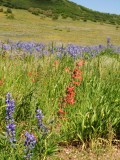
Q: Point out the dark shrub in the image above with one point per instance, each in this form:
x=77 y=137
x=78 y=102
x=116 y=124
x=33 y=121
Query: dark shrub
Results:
x=9 y=10
x=35 y=11
x=112 y=22
x=117 y=26
x=31 y=9
x=48 y=13
x=64 y=16
x=1 y=9
x=84 y=20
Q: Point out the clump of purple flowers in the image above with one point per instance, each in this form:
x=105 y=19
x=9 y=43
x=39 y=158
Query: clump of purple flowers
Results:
x=39 y=116
x=10 y=108
x=11 y=132
x=29 y=144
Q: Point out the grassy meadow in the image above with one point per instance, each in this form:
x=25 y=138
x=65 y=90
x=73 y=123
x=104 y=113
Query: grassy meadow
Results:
x=58 y=102
x=28 y=27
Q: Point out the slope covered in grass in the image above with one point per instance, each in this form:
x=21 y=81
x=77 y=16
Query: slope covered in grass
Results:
x=64 y=8
x=59 y=31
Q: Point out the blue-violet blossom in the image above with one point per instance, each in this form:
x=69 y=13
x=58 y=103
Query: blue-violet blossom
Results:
x=39 y=116
x=29 y=144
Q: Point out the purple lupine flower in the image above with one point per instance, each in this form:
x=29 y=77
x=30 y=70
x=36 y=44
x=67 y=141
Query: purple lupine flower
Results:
x=9 y=108
x=11 y=132
x=39 y=116
x=29 y=144
x=9 y=118
x=6 y=47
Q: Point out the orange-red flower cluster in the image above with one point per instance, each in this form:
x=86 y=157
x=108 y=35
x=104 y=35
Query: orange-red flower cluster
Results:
x=70 y=95
x=61 y=111
x=76 y=79
x=77 y=76
x=56 y=63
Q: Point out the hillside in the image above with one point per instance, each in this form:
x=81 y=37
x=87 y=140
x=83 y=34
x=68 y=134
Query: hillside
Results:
x=64 y=8
x=29 y=27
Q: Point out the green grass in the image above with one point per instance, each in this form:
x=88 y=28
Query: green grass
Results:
x=29 y=27
x=42 y=83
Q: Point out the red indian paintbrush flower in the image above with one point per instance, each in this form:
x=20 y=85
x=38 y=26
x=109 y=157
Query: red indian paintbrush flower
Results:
x=76 y=83
x=61 y=112
x=70 y=89
x=76 y=79
x=80 y=63
x=56 y=62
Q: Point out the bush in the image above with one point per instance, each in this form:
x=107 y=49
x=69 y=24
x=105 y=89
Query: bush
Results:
x=94 y=20
x=31 y=9
x=74 y=18
x=48 y=13
x=42 y=16
x=1 y=9
x=64 y=16
x=112 y=22
x=35 y=11
x=9 y=10
x=84 y=20
x=117 y=26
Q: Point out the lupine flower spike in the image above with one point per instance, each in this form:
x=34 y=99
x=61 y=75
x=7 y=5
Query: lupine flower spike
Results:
x=39 y=116
x=11 y=132
x=29 y=144
x=10 y=128
x=9 y=108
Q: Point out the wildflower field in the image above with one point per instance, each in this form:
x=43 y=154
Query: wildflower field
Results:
x=54 y=96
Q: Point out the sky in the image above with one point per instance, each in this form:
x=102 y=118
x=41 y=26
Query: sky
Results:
x=109 y=6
